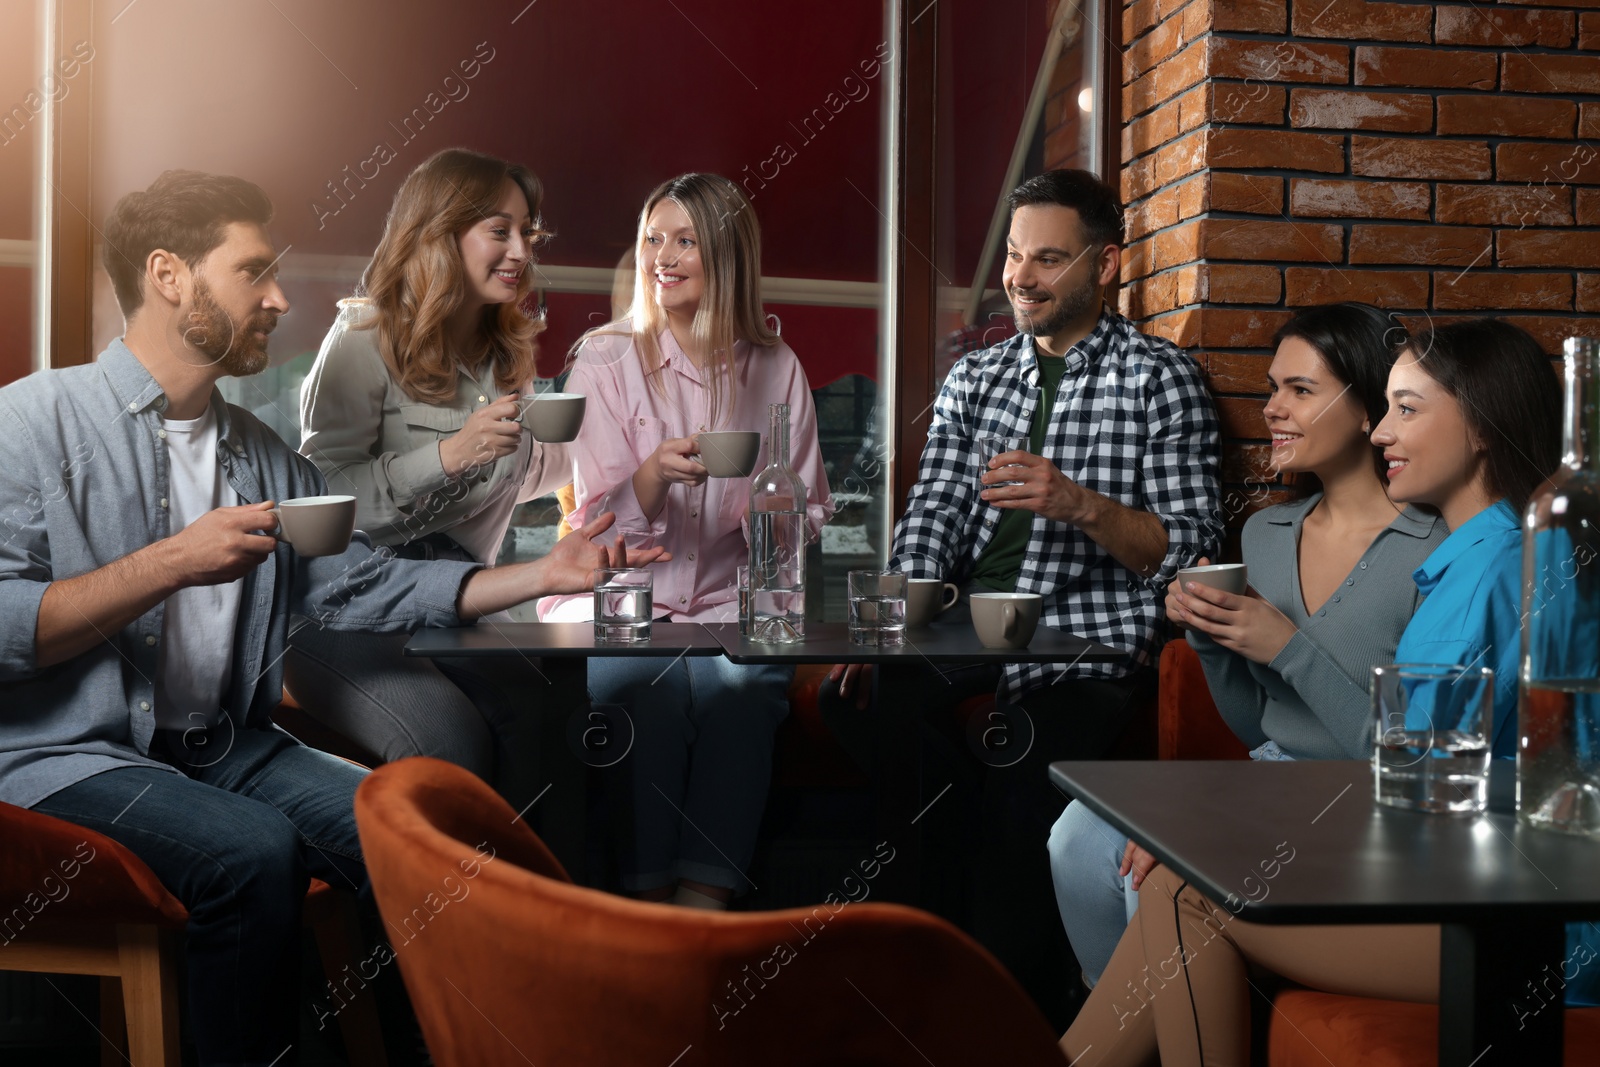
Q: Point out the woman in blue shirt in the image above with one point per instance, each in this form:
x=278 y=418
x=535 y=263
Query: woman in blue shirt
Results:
x=1471 y=432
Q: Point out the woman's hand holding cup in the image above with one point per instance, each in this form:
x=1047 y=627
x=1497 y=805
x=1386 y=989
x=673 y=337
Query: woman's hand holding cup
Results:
x=489 y=433
x=675 y=461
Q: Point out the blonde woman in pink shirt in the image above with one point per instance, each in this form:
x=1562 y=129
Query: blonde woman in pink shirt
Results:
x=693 y=354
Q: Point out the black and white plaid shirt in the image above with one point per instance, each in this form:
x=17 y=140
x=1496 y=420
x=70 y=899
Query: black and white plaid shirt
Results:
x=1133 y=422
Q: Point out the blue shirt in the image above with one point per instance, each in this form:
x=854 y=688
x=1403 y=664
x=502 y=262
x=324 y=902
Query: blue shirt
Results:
x=84 y=483
x=1473 y=612
x=1473 y=616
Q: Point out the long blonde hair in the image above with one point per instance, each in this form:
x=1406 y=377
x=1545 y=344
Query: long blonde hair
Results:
x=730 y=311
x=416 y=280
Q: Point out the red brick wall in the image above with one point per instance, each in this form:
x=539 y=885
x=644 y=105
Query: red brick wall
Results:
x=1442 y=160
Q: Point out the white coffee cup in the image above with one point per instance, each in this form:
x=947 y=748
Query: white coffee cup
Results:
x=1228 y=577
x=316 y=525
x=1005 y=620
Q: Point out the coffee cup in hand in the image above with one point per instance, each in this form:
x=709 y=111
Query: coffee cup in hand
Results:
x=316 y=525
x=729 y=453
x=1005 y=620
x=926 y=598
x=1227 y=577
x=552 y=418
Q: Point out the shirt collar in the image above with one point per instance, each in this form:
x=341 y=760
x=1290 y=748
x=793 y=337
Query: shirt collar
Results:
x=1413 y=521
x=673 y=355
x=137 y=391
x=1081 y=355
x=1494 y=520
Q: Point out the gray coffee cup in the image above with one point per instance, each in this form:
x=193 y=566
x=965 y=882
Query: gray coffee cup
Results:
x=552 y=417
x=1005 y=620
x=316 y=525
x=927 y=597
x=729 y=453
x=1228 y=577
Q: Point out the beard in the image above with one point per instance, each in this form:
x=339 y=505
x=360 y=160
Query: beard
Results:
x=1068 y=306
x=232 y=347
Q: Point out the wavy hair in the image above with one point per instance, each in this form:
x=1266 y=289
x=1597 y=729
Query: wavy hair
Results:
x=729 y=238
x=416 y=281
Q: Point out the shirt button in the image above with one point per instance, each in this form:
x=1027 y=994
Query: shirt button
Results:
x=1335 y=600
x=683 y=600
x=691 y=555
x=988 y=522
x=133 y=407
x=1363 y=564
x=161 y=434
x=150 y=639
x=641 y=422
x=694 y=514
x=483 y=400
x=163 y=501
x=144 y=705
x=1349 y=581
x=1323 y=613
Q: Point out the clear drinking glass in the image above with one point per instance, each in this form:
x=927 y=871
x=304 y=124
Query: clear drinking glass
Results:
x=994 y=445
x=624 y=601
x=1431 y=745
x=1558 y=714
x=877 y=607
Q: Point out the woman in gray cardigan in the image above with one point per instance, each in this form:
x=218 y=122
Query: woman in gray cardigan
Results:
x=411 y=407
x=1332 y=591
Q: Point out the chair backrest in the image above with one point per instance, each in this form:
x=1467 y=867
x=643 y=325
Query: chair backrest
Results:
x=1190 y=726
x=507 y=962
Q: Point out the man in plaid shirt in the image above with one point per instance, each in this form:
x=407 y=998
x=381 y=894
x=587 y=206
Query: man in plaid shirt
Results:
x=1078 y=460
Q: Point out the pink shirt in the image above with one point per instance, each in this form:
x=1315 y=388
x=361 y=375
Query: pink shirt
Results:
x=702 y=526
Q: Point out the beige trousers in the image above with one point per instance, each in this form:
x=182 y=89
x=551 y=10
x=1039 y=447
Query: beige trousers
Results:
x=1179 y=982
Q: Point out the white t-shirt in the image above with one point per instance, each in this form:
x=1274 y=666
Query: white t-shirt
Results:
x=196 y=662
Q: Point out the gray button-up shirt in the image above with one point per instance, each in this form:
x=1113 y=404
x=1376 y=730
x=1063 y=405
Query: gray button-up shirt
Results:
x=85 y=482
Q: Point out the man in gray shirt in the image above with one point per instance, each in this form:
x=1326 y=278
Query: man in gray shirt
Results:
x=144 y=606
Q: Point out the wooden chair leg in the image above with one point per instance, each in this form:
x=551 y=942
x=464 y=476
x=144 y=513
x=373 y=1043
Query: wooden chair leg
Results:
x=113 y=1024
x=338 y=934
x=149 y=995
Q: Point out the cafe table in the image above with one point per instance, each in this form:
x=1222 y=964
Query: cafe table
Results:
x=902 y=794
x=1305 y=842
x=572 y=736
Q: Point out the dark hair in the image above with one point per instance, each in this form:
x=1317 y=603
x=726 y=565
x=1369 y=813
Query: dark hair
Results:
x=1509 y=396
x=184 y=212
x=1358 y=343
x=1093 y=200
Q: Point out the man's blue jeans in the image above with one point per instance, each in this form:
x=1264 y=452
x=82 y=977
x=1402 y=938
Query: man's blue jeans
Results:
x=236 y=838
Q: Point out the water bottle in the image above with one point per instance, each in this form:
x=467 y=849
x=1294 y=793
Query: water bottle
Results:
x=778 y=543
x=1558 y=755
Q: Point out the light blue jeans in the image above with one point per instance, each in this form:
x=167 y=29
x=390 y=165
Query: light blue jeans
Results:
x=694 y=784
x=1096 y=902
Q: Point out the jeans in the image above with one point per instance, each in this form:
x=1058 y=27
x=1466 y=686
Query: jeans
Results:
x=236 y=838
x=693 y=786
x=1096 y=902
x=462 y=710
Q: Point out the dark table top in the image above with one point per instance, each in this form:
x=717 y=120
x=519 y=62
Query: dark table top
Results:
x=1305 y=841
x=558 y=639
x=829 y=642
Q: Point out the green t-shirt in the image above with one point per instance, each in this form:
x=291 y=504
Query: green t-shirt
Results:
x=1001 y=561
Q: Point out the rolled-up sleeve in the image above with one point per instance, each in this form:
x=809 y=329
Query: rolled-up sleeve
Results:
x=362 y=589
x=341 y=425
x=1180 y=482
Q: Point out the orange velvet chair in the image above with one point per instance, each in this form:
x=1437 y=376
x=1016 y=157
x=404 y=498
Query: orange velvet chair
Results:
x=509 y=963
x=1189 y=725
x=83 y=904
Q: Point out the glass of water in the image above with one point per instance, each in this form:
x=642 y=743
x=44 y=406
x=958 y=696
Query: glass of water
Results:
x=624 y=600
x=1431 y=743
x=877 y=607
x=996 y=445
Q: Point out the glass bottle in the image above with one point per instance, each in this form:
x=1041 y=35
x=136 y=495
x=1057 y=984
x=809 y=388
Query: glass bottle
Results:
x=778 y=542
x=1558 y=752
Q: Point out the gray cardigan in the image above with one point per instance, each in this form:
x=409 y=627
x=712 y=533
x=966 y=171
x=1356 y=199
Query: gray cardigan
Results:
x=1314 y=699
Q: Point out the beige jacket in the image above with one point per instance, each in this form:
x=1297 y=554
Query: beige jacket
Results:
x=372 y=440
